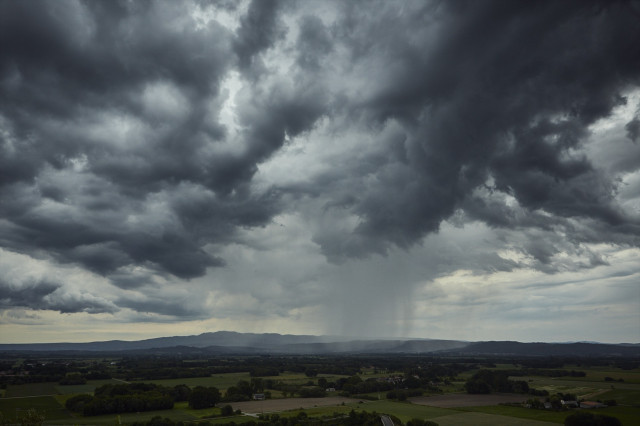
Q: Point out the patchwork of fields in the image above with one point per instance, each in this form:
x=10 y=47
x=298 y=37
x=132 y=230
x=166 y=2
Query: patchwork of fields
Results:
x=447 y=409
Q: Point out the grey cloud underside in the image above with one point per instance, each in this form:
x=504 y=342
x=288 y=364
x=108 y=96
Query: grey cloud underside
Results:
x=485 y=101
x=44 y=294
x=112 y=154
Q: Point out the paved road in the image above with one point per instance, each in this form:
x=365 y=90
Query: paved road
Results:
x=386 y=421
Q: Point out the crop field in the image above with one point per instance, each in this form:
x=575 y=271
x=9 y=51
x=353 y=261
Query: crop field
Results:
x=629 y=416
x=18 y=406
x=31 y=389
x=483 y=419
x=584 y=388
x=452 y=407
x=89 y=387
x=124 y=418
x=622 y=396
x=404 y=410
x=277 y=405
x=467 y=400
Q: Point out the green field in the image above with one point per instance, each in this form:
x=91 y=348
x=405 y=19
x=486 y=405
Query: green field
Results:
x=520 y=413
x=599 y=373
x=89 y=387
x=580 y=387
x=49 y=399
x=46 y=405
x=124 y=418
x=32 y=389
x=405 y=411
x=482 y=419
x=622 y=396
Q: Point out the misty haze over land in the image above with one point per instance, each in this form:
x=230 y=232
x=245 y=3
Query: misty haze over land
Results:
x=458 y=170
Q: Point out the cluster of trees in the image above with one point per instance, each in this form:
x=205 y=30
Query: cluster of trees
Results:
x=243 y=390
x=301 y=419
x=124 y=398
x=487 y=381
x=204 y=397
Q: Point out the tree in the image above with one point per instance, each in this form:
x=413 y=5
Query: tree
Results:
x=77 y=403
x=181 y=393
x=227 y=410
x=202 y=397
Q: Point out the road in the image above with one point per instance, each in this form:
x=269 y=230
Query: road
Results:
x=386 y=421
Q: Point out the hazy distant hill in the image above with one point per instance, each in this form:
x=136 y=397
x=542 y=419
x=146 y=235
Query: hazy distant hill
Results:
x=549 y=349
x=226 y=342
x=218 y=338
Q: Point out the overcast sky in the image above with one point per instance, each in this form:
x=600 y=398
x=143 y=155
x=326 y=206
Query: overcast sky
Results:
x=439 y=169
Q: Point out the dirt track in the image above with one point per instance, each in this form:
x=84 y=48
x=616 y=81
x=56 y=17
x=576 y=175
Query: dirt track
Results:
x=276 y=405
x=467 y=400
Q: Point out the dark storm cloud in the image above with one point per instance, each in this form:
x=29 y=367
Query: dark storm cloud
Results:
x=500 y=90
x=259 y=29
x=123 y=91
x=49 y=295
x=314 y=42
x=162 y=306
x=114 y=155
x=633 y=129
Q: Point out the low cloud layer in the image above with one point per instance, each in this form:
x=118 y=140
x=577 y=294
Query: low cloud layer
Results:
x=149 y=147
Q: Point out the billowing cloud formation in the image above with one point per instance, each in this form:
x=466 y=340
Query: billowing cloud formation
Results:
x=145 y=141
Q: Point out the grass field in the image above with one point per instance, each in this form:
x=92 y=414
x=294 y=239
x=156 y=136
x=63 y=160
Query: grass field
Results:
x=49 y=399
x=124 y=418
x=404 y=410
x=47 y=405
x=580 y=387
x=629 y=416
x=89 y=387
x=622 y=396
x=520 y=413
x=32 y=389
x=483 y=419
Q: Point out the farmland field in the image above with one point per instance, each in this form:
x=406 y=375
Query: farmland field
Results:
x=405 y=411
x=466 y=400
x=18 y=406
x=627 y=415
x=449 y=405
x=482 y=419
x=124 y=418
x=31 y=389
x=277 y=405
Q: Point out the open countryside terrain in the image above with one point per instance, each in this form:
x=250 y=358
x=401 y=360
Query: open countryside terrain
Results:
x=467 y=400
x=448 y=405
x=286 y=404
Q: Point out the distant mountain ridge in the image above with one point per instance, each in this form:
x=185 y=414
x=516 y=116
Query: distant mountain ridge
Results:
x=229 y=342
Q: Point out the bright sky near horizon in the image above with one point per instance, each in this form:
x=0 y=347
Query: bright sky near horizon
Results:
x=458 y=170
